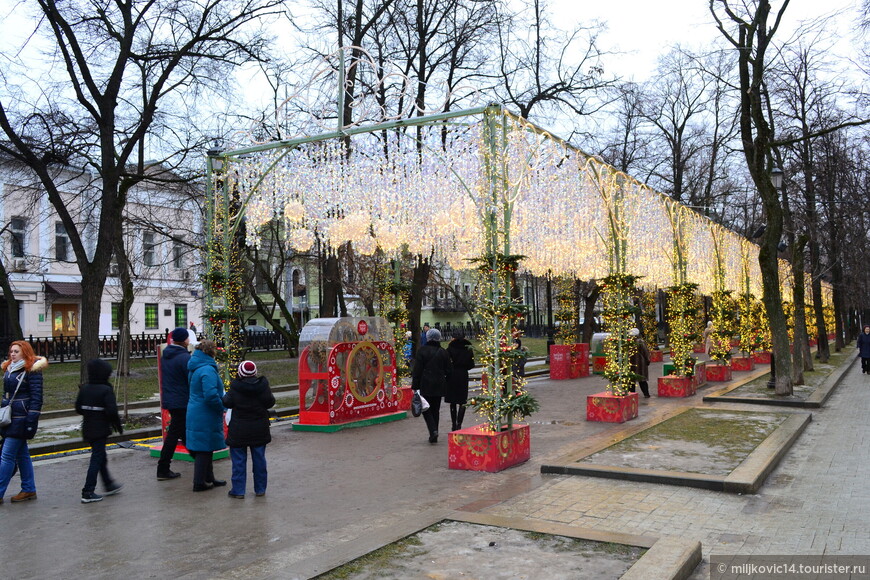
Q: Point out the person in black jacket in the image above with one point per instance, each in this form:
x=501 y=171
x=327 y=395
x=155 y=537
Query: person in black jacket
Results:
x=432 y=366
x=174 y=394
x=96 y=404
x=462 y=358
x=249 y=399
x=864 y=349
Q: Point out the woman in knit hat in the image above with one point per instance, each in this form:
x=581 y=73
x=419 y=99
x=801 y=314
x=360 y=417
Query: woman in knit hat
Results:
x=249 y=399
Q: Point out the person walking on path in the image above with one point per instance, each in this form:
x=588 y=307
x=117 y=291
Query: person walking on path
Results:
x=205 y=410
x=640 y=363
x=431 y=368
x=864 y=349
x=99 y=410
x=22 y=389
x=462 y=359
x=707 y=336
x=174 y=394
x=249 y=399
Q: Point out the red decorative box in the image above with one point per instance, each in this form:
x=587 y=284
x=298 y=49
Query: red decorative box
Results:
x=479 y=449
x=761 y=357
x=699 y=348
x=742 y=363
x=656 y=356
x=581 y=360
x=560 y=361
x=599 y=363
x=674 y=386
x=718 y=373
x=608 y=408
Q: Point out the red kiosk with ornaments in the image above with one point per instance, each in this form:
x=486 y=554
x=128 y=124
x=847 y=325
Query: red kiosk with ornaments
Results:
x=347 y=374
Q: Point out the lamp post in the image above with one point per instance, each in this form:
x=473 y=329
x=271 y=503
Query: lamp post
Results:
x=776 y=175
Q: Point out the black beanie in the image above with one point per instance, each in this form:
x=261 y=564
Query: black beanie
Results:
x=99 y=372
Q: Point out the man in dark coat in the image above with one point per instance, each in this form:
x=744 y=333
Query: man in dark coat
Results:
x=864 y=349
x=432 y=366
x=462 y=358
x=174 y=393
x=96 y=404
x=640 y=362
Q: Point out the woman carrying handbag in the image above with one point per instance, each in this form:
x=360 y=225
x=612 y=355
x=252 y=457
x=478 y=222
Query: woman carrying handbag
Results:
x=22 y=391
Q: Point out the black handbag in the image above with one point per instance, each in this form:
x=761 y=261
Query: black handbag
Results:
x=416 y=404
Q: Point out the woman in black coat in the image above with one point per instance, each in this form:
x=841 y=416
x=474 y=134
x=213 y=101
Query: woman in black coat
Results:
x=462 y=358
x=250 y=399
x=432 y=366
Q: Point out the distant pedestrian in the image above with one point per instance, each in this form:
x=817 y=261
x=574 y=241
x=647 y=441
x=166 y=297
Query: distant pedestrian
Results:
x=249 y=400
x=423 y=334
x=174 y=394
x=864 y=349
x=408 y=349
x=640 y=363
x=462 y=359
x=707 y=336
x=205 y=411
x=518 y=368
x=99 y=410
x=22 y=388
x=432 y=366
x=192 y=327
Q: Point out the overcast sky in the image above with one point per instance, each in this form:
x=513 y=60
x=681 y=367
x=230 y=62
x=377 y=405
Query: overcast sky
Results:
x=645 y=28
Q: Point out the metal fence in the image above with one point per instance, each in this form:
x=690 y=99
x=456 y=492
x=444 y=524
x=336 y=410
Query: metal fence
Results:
x=68 y=348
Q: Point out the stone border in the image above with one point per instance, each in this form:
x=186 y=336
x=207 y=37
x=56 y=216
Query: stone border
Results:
x=816 y=399
x=667 y=558
x=748 y=477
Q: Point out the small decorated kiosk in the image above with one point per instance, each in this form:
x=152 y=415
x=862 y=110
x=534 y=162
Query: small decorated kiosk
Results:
x=347 y=374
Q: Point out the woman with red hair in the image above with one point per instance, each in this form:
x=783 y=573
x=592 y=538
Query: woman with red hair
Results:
x=22 y=388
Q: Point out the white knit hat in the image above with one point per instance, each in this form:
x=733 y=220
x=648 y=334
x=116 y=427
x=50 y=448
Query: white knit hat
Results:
x=247 y=368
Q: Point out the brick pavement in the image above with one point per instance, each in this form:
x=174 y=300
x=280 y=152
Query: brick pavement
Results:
x=815 y=502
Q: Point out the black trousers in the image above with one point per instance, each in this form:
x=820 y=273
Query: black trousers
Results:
x=203 y=467
x=865 y=365
x=431 y=415
x=177 y=431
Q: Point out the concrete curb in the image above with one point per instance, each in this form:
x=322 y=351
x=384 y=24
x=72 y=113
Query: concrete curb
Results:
x=814 y=401
x=748 y=477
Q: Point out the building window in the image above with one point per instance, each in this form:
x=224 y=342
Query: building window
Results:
x=149 y=250
x=181 y=315
x=61 y=243
x=116 y=313
x=151 y=316
x=17 y=237
x=177 y=257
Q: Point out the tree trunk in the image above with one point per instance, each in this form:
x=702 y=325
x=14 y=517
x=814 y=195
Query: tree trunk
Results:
x=419 y=279
x=15 y=332
x=799 y=358
x=331 y=287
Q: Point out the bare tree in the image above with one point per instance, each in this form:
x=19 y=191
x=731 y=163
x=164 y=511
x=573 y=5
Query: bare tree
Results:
x=124 y=62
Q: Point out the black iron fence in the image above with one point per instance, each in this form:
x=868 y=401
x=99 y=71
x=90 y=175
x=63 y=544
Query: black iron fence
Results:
x=68 y=348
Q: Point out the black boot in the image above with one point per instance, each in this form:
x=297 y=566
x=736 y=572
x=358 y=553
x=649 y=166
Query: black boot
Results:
x=432 y=425
x=459 y=417
x=453 y=416
x=644 y=388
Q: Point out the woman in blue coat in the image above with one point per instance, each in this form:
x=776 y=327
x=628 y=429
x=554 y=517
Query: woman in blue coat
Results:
x=205 y=411
x=22 y=373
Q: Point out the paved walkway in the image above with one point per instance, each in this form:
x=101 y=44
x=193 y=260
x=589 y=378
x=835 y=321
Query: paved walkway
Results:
x=330 y=493
x=815 y=502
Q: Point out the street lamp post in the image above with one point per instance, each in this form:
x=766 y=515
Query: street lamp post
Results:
x=776 y=175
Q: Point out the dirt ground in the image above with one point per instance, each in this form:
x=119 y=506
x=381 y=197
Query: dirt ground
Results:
x=453 y=550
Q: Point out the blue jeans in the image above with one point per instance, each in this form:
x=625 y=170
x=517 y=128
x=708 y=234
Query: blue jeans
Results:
x=16 y=451
x=99 y=465
x=239 y=456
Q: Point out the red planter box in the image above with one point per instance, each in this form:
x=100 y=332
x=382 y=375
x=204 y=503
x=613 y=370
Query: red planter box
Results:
x=599 y=363
x=656 y=356
x=699 y=348
x=742 y=363
x=761 y=357
x=479 y=449
x=608 y=408
x=718 y=373
x=674 y=386
x=581 y=359
x=569 y=361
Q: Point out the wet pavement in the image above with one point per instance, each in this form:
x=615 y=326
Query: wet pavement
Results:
x=330 y=491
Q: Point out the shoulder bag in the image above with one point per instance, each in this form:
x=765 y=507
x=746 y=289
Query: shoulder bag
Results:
x=6 y=412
